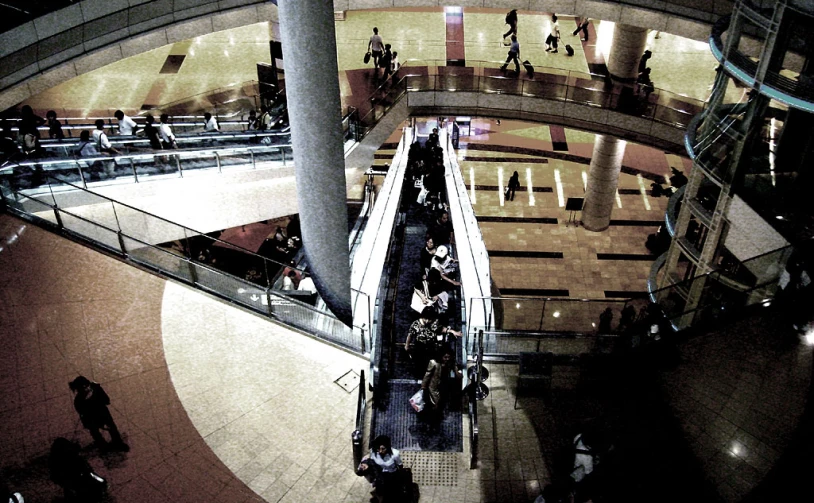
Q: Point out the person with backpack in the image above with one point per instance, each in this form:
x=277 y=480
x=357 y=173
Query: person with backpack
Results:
x=101 y=140
x=511 y=20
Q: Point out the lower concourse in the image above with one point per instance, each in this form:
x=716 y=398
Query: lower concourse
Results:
x=220 y=405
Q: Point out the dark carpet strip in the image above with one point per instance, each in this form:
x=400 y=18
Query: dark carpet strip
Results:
x=524 y=254
x=383 y=156
x=495 y=187
x=507 y=160
x=556 y=155
x=389 y=146
x=533 y=292
x=518 y=220
x=625 y=256
x=629 y=192
x=172 y=64
x=558 y=138
x=637 y=223
x=623 y=294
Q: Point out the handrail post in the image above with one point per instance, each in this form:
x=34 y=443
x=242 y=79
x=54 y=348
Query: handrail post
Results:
x=217 y=160
x=357 y=437
x=178 y=165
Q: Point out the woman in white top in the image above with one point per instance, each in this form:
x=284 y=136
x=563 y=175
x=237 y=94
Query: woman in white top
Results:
x=388 y=463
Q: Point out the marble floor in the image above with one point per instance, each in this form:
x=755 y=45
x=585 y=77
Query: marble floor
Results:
x=539 y=254
x=228 y=58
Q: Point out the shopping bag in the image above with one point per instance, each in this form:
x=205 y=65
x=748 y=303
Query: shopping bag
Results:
x=417 y=401
x=367 y=57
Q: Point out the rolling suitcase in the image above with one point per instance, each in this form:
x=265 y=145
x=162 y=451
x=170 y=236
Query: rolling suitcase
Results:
x=569 y=50
x=529 y=68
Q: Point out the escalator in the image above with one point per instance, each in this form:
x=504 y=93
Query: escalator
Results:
x=400 y=379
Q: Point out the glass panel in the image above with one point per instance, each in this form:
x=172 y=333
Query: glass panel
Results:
x=104 y=236
x=243 y=292
x=501 y=85
x=38 y=207
x=194 y=163
x=170 y=261
x=322 y=324
x=157 y=165
x=230 y=159
x=145 y=227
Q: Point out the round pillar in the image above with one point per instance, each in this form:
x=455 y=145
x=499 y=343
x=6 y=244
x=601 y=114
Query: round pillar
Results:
x=603 y=179
x=626 y=50
x=314 y=111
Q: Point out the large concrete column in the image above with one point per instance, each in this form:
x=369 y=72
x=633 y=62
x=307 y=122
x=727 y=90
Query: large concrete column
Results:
x=603 y=178
x=314 y=111
x=626 y=51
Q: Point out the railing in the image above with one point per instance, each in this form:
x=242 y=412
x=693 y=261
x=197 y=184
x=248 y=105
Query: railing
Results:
x=473 y=258
x=132 y=234
x=100 y=170
x=735 y=285
x=358 y=435
x=65 y=149
x=476 y=394
x=559 y=85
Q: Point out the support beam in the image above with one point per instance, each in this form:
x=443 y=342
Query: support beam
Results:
x=314 y=111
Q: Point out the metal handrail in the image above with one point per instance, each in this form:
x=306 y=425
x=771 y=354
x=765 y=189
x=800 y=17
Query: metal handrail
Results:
x=358 y=435
x=158 y=218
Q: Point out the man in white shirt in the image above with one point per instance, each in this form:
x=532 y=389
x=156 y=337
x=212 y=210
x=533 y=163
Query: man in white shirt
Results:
x=167 y=137
x=101 y=141
x=376 y=48
x=127 y=126
x=210 y=123
x=307 y=285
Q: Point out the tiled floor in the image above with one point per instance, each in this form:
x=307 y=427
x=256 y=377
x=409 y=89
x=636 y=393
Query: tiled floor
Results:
x=546 y=183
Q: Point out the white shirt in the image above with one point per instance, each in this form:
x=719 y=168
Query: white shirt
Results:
x=211 y=125
x=100 y=139
x=127 y=126
x=388 y=463
x=583 y=463
x=307 y=285
x=394 y=64
x=288 y=283
x=166 y=133
x=376 y=43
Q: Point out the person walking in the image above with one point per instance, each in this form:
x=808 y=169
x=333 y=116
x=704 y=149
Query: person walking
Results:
x=375 y=47
x=165 y=130
x=91 y=402
x=54 y=126
x=514 y=184
x=385 y=61
x=554 y=37
x=583 y=27
x=514 y=54
x=511 y=20
x=210 y=123
x=127 y=126
x=151 y=132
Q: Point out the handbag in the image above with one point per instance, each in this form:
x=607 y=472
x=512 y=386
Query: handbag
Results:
x=417 y=400
x=417 y=302
x=367 y=57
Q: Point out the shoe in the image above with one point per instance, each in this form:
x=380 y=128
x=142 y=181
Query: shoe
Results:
x=503 y=68
x=547 y=49
x=555 y=51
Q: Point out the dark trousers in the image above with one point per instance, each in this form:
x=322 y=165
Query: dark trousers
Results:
x=512 y=57
x=107 y=424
